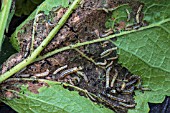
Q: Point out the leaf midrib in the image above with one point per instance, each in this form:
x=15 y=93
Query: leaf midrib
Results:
x=141 y=29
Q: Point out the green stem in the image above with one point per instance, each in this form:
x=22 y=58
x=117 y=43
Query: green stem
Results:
x=85 y=56
x=81 y=44
x=33 y=32
x=52 y=83
x=89 y=59
x=4 y=12
x=37 y=51
x=98 y=40
x=66 y=84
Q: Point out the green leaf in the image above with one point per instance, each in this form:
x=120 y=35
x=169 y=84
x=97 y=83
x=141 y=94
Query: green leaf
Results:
x=146 y=52
x=25 y=7
x=49 y=4
x=11 y=14
x=4 y=12
x=54 y=99
x=119 y=14
x=45 y=7
x=141 y=99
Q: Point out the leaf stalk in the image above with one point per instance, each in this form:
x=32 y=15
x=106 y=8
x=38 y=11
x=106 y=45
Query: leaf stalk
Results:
x=45 y=42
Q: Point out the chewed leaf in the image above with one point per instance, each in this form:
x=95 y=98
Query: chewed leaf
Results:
x=146 y=52
x=54 y=99
x=45 y=7
x=120 y=14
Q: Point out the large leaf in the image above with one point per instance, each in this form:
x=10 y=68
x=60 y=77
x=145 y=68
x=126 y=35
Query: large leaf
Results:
x=54 y=99
x=146 y=52
x=45 y=7
x=4 y=12
x=119 y=15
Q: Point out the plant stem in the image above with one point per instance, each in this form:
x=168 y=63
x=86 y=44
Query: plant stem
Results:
x=85 y=56
x=33 y=31
x=66 y=84
x=4 y=12
x=50 y=82
x=98 y=40
x=37 y=51
x=81 y=44
x=89 y=59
